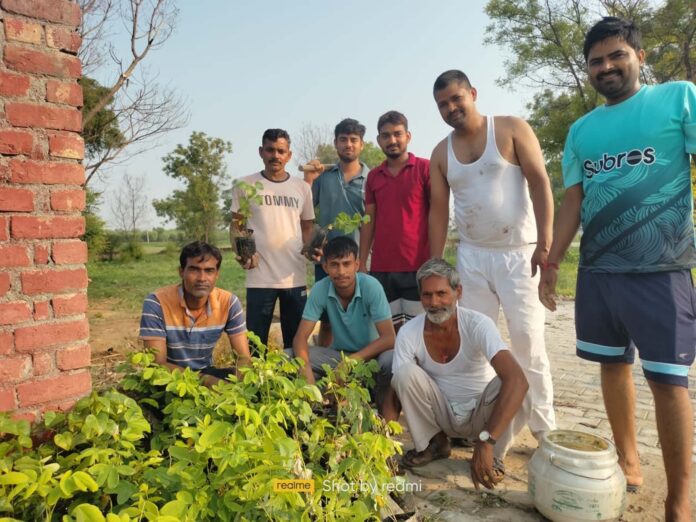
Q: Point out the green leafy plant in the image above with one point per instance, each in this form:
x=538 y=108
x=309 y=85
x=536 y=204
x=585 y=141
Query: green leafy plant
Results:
x=165 y=448
x=342 y=222
x=248 y=195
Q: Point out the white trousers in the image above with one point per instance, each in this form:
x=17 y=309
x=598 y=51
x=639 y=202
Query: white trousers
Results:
x=427 y=411
x=495 y=277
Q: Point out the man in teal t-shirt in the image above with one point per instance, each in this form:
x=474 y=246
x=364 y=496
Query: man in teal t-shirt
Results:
x=358 y=311
x=626 y=168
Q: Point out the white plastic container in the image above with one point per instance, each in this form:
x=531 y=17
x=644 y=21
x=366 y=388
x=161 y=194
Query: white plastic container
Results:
x=575 y=476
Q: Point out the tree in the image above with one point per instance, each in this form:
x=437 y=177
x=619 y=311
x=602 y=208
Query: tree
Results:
x=132 y=109
x=372 y=155
x=129 y=205
x=313 y=140
x=95 y=227
x=201 y=166
x=545 y=38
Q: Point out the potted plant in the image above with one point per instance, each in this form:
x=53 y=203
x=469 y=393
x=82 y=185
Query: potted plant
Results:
x=242 y=236
x=343 y=223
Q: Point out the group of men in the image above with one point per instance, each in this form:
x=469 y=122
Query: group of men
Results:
x=627 y=177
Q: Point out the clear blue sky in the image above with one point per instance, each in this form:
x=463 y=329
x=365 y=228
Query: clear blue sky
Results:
x=248 y=66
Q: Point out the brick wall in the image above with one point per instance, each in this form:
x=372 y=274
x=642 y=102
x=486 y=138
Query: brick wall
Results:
x=44 y=350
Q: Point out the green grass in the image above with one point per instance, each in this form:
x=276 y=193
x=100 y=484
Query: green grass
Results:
x=568 y=273
x=127 y=283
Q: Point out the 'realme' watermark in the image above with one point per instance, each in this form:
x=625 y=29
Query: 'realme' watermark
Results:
x=398 y=485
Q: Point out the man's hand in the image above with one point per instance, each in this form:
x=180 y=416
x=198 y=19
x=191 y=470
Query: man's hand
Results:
x=250 y=263
x=482 y=466
x=547 y=287
x=539 y=258
x=315 y=170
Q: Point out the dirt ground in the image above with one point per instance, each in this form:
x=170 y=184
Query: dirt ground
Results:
x=446 y=490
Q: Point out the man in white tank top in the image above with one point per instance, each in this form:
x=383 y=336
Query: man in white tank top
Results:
x=503 y=211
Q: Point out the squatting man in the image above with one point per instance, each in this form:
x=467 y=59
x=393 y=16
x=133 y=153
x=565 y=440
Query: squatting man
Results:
x=454 y=377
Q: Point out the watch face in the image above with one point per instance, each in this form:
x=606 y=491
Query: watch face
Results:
x=484 y=436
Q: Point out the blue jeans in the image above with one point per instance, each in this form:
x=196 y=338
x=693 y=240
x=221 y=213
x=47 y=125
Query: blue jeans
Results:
x=261 y=303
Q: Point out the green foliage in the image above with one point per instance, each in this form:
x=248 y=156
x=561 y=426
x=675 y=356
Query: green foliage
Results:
x=170 y=449
x=348 y=224
x=102 y=132
x=372 y=155
x=132 y=250
x=201 y=167
x=248 y=195
x=326 y=153
x=95 y=228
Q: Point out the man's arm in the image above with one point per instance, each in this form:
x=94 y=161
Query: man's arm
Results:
x=306 y=225
x=367 y=234
x=512 y=391
x=531 y=161
x=240 y=345
x=160 y=347
x=385 y=341
x=311 y=175
x=438 y=218
x=565 y=228
x=236 y=231
x=301 y=348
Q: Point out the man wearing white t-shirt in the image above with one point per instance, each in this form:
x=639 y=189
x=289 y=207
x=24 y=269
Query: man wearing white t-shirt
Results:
x=454 y=377
x=282 y=223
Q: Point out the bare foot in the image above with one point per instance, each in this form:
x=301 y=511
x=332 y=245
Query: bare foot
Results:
x=631 y=470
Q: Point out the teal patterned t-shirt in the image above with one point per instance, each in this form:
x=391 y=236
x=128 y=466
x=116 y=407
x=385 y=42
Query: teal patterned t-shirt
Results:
x=633 y=161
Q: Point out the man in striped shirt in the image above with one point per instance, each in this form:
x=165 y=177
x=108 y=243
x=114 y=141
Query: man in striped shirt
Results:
x=183 y=322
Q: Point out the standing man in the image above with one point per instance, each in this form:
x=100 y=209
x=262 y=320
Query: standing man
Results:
x=503 y=210
x=397 y=199
x=339 y=189
x=627 y=176
x=282 y=223
x=455 y=377
x=183 y=322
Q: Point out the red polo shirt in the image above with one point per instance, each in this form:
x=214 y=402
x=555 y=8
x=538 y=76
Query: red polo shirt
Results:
x=402 y=203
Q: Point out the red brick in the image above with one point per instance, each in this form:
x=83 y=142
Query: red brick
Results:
x=64 y=92
x=43 y=363
x=46 y=172
x=16 y=200
x=53 y=281
x=54 y=388
x=70 y=146
x=41 y=310
x=61 y=11
x=14 y=369
x=63 y=38
x=74 y=358
x=6 y=343
x=4 y=283
x=43 y=116
x=25 y=59
x=63 y=406
x=13 y=84
x=7 y=400
x=22 y=31
x=67 y=200
x=32 y=227
x=76 y=304
x=4 y=235
x=14 y=312
x=41 y=254
x=69 y=252
x=33 y=338
x=14 y=141
x=14 y=255
x=28 y=416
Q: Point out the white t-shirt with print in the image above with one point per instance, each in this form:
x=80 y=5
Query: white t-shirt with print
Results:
x=276 y=225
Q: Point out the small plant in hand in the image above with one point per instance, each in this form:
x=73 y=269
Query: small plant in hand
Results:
x=165 y=448
x=248 y=195
x=343 y=223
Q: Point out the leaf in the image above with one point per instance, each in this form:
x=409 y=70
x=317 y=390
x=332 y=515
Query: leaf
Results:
x=213 y=434
x=87 y=513
x=174 y=508
x=64 y=440
x=84 y=482
x=13 y=478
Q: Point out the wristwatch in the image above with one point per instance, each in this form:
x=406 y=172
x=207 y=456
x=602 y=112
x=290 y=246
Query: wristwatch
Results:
x=484 y=436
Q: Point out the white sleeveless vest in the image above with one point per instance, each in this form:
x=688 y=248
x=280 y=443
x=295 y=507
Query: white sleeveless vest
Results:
x=492 y=207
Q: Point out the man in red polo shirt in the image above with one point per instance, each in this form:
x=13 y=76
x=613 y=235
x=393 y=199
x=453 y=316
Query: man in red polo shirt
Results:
x=397 y=199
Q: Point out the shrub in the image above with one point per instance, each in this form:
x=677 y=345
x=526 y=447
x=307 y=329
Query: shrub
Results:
x=169 y=449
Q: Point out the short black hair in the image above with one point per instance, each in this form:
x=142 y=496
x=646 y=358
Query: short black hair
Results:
x=275 y=135
x=392 y=118
x=349 y=126
x=449 y=77
x=199 y=250
x=340 y=246
x=612 y=27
